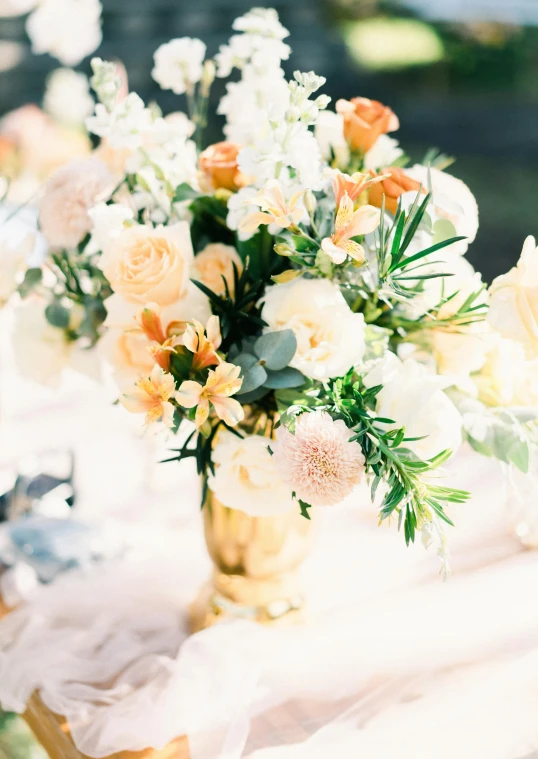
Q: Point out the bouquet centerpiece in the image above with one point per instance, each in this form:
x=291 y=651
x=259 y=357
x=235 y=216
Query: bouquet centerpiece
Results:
x=297 y=296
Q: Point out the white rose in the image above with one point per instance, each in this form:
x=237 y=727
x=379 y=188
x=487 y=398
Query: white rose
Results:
x=150 y=265
x=42 y=351
x=415 y=400
x=246 y=476
x=508 y=377
x=126 y=347
x=330 y=337
x=452 y=201
x=513 y=310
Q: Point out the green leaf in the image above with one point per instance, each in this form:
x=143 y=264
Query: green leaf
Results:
x=253 y=374
x=31 y=279
x=253 y=395
x=276 y=349
x=57 y=315
x=184 y=192
x=302 y=244
x=284 y=378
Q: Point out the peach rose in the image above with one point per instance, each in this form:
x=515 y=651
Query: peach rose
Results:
x=364 y=121
x=150 y=265
x=218 y=166
x=213 y=263
x=392 y=187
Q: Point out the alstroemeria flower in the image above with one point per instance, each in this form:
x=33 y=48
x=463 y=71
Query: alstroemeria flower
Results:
x=275 y=209
x=348 y=224
x=353 y=185
x=203 y=342
x=151 y=396
x=163 y=341
x=221 y=383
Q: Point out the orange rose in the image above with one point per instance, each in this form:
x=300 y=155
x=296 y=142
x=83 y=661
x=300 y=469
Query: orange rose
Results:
x=218 y=165
x=392 y=187
x=364 y=121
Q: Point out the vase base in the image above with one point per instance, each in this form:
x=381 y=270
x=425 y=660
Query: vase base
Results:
x=212 y=607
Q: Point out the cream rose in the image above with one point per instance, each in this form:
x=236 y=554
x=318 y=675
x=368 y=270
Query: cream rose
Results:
x=415 y=400
x=126 y=347
x=246 y=477
x=213 y=263
x=150 y=265
x=330 y=337
x=513 y=310
x=508 y=377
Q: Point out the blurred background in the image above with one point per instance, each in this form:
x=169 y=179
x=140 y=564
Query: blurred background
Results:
x=461 y=74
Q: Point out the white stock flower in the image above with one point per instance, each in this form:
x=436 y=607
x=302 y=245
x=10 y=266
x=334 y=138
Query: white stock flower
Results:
x=384 y=152
x=260 y=43
x=125 y=126
x=179 y=64
x=317 y=461
x=108 y=221
x=247 y=477
x=414 y=399
x=67 y=97
x=330 y=337
x=329 y=133
x=508 y=377
x=513 y=310
x=238 y=210
x=106 y=81
x=67 y=29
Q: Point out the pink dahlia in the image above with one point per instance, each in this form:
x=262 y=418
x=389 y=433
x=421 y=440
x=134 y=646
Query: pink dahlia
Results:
x=318 y=462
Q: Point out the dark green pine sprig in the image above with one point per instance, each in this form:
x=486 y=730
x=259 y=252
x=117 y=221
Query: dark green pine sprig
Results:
x=411 y=495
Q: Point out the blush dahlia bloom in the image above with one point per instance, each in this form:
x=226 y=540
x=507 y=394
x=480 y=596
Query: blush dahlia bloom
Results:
x=318 y=462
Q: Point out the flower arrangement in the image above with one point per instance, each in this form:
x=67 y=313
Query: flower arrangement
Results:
x=301 y=269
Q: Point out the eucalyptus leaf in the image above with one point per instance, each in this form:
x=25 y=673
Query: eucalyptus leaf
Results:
x=57 y=315
x=253 y=395
x=253 y=374
x=31 y=279
x=287 y=377
x=185 y=192
x=276 y=349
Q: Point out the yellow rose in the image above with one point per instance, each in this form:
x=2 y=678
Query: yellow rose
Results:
x=213 y=263
x=147 y=265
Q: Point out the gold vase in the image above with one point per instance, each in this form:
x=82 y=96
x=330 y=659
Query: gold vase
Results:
x=257 y=560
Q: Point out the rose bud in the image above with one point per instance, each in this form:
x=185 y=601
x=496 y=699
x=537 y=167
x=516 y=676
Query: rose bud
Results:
x=218 y=165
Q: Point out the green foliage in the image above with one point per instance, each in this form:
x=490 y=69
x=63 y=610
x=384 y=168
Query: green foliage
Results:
x=264 y=364
x=32 y=278
x=57 y=315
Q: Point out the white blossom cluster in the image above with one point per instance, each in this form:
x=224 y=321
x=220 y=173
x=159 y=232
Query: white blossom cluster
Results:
x=69 y=30
x=179 y=64
x=158 y=152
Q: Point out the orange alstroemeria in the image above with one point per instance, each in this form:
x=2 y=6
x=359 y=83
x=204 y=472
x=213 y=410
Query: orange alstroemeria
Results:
x=222 y=382
x=151 y=396
x=353 y=185
x=162 y=341
x=348 y=224
x=203 y=342
x=275 y=209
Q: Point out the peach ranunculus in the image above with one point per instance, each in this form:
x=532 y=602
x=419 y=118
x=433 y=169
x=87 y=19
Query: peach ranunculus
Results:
x=214 y=265
x=150 y=265
x=222 y=382
x=151 y=396
x=364 y=121
x=349 y=224
x=396 y=182
x=69 y=194
x=218 y=167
